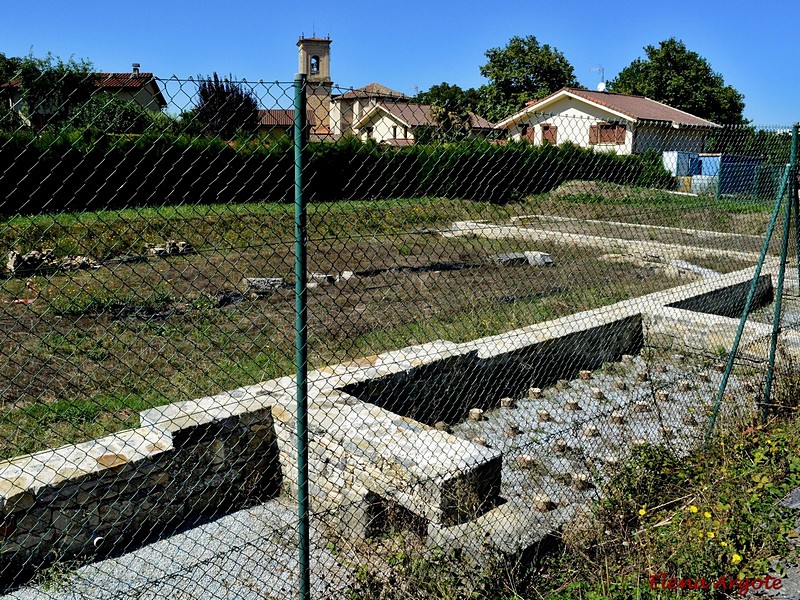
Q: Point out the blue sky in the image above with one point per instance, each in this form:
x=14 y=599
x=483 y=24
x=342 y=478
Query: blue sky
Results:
x=412 y=44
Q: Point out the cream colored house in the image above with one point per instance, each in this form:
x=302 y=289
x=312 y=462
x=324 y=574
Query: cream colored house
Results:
x=349 y=108
x=607 y=122
x=395 y=122
x=141 y=88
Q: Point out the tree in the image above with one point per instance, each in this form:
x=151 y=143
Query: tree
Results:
x=683 y=79
x=450 y=110
x=111 y=114
x=224 y=107
x=50 y=88
x=523 y=70
x=451 y=96
x=9 y=67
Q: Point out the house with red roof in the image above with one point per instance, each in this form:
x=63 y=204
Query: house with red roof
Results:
x=608 y=122
x=135 y=86
x=395 y=122
x=141 y=88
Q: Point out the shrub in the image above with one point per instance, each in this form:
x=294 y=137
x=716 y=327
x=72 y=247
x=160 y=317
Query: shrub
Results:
x=70 y=170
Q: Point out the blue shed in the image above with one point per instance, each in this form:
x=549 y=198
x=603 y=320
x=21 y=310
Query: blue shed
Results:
x=681 y=164
x=737 y=174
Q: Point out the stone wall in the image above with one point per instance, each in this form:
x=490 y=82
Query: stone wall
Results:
x=112 y=493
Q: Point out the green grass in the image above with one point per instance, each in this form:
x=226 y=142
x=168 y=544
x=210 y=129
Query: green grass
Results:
x=109 y=233
x=68 y=421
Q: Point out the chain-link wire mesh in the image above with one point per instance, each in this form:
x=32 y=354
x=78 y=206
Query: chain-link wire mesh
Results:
x=498 y=316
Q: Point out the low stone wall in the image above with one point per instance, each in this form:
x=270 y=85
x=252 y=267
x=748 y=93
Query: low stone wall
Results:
x=730 y=301
x=109 y=494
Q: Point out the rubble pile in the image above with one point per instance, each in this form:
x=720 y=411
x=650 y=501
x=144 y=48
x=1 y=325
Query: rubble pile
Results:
x=37 y=261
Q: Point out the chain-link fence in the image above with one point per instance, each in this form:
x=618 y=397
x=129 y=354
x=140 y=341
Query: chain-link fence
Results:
x=495 y=316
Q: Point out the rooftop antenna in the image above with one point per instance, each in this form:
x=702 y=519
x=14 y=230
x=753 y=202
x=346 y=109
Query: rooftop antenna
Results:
x=313 y=29
x=601 y=87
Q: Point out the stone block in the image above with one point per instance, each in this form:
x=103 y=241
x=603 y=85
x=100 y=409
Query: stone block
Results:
x=508 y=402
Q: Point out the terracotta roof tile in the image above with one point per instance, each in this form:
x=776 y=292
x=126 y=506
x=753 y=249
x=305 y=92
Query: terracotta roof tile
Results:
x=641 y=108
x=282 y=117
x=635 y=108
x=122 y=80
x=414 y=115
x=411 y=114
x=372 y=90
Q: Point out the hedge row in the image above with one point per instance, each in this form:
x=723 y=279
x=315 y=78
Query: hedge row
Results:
x=68 y=173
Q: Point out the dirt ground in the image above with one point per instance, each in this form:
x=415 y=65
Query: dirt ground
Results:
x=97 y=346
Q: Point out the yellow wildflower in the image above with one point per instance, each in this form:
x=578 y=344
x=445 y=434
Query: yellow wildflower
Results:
x=736 y=559
x=723 y=544
x=707 y=515
x=693 y=508
x=642 y=511
x=710 y=535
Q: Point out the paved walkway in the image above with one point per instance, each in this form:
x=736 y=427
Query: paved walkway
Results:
x=248 y=554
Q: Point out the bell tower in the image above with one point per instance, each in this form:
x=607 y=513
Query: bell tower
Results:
x=314 y=59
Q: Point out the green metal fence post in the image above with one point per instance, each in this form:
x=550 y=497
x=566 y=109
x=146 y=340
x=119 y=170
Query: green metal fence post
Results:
x=793 y=197
x=301 y=349
x=748 y=303
x=776 y=319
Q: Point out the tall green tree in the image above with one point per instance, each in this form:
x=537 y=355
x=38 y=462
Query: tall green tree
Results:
x=683 y=79
x=224 y=107
x=450 y=96
x=522 y=70
x=9 y=66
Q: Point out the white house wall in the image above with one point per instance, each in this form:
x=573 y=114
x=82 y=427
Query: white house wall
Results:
x=573 y=120
x=346 y=112
x=382 y=124
x=336 y=119
x=145 y=97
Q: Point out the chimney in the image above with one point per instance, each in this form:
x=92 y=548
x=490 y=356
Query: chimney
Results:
x=136 y=69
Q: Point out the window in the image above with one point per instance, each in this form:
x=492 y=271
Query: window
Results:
x=607 y=133
x=394 y=132
x=405 y=133
x=549 y=134
x=315 y=65
x=369 y=132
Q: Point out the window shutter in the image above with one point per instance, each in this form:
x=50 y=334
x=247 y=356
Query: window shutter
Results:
x=620 y=134
x=594 y=134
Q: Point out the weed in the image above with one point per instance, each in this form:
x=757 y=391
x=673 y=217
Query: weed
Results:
x=57 y=576
x=706 y=515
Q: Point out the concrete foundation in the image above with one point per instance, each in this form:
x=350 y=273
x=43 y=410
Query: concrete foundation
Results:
x=372 y=442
